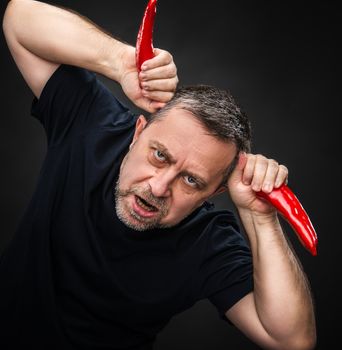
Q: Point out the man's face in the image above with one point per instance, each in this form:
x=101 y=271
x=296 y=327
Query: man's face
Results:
x=172 y=167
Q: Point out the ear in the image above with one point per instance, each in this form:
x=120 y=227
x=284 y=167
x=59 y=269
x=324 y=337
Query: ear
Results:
x=139 y=127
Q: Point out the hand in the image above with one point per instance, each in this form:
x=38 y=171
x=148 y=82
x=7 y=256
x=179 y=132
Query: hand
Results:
x=154 y=85
x=255 y=173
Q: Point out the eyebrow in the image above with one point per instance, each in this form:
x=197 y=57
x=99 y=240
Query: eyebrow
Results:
x=172 y=160
x=163 y=149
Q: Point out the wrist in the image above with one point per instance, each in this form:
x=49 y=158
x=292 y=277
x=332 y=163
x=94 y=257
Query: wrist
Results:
x=263 y=230
x=260 y=225
x=113 y=59
x=259 y=219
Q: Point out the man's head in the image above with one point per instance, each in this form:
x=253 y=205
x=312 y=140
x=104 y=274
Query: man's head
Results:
x=180 y=157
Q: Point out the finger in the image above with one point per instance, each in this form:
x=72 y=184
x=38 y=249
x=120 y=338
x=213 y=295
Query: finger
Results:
x=161 y=58
x=146 y=104
x=157 y=105
x=270 y=176
x=282 y=176
x=249 y=169
x=260 y=169
x=160 y=85
x=158 y=96
x=163 y=72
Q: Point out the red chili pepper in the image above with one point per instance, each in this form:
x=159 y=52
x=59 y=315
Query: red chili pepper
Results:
x=285 y=201
x=144 y=45
x=282 y=198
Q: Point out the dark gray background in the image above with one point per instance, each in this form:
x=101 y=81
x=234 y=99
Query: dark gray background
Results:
x=280 y=61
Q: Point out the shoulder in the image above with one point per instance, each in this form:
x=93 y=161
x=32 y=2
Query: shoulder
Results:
x=75 y=100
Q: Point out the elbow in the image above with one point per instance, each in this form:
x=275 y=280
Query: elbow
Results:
x=309 y=343
x=11 y=14
x=303 y=338
x=306 y=339
x=7 y=18
x=303 y=342
x=300 y=335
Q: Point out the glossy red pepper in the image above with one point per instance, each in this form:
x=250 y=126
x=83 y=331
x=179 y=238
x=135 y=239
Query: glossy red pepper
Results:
x=282 y=198
x=287 y=204
x=144 y=44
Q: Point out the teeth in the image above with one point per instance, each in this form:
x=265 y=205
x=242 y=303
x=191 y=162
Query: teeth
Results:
x=144 y=206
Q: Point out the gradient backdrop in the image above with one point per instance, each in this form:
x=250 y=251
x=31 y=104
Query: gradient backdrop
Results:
x=280 y=61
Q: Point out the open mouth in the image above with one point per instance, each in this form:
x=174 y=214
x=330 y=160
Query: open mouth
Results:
x=145 y=205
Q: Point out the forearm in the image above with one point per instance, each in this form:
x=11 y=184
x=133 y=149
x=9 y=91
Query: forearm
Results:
x=282 y=295
x=61 y=36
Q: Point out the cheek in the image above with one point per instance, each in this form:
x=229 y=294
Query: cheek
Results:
x=133 y=170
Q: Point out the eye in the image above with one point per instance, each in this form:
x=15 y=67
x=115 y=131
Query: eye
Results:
x=159 y=155
x=191 y=181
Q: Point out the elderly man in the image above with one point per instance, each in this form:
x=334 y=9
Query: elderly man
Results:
x=119 y=236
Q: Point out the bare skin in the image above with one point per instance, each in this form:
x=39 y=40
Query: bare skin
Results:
x=171 y=170
x=278 y=314
x=163 y=167
x=70 y=39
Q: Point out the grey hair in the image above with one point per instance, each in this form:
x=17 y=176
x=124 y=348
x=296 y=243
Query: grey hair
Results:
x=217 y=111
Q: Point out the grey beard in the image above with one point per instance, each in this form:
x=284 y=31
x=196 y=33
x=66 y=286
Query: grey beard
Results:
x=141 y=224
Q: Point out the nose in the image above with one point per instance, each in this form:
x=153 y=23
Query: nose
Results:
x=161 y=183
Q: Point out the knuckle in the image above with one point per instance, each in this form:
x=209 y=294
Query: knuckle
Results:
x=260 y=157
x=170 y=71
x=168 y=97
x=174 y=85
x=251 y=156
x=162 y=52
x=174 y=74
x=283 y=168
x=261 y=161
x=273 y=163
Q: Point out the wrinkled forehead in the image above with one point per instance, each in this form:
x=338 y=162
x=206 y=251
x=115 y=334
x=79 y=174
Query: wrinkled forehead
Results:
x=187 y=140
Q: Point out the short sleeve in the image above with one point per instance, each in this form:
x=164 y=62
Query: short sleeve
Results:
x=227 y=269
x=74 y=100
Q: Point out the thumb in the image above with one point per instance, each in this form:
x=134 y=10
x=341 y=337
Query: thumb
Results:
x=145 y=104
x=236 y=175
x=151 y=106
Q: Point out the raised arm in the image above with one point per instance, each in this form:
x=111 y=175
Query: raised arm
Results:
x=41 y=37
x=279 y=313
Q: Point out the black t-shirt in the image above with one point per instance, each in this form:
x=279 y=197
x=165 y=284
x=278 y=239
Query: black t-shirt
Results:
x=74 y=276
